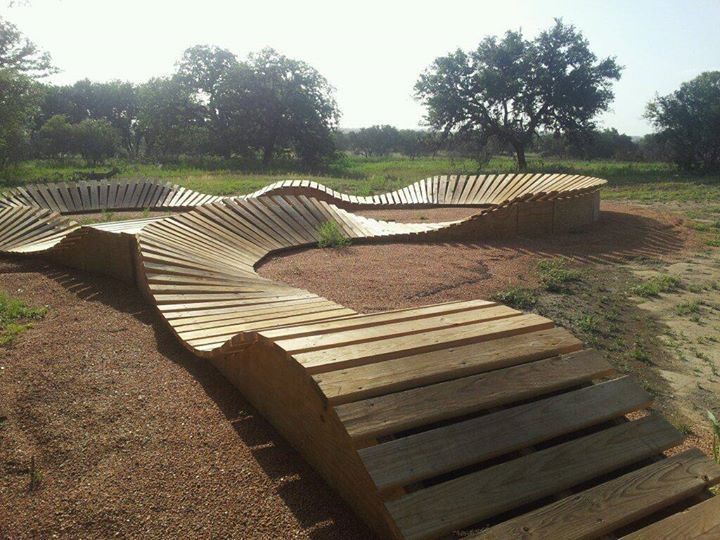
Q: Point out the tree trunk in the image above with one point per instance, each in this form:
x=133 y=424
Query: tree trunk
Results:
x=268 y=150
x=520 y=154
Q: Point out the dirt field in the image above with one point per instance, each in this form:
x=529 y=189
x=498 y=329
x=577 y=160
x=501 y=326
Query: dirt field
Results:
x=135 y=437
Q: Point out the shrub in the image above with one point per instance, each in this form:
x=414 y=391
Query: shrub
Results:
x=554 y=274
x=332 y=236
x=656 y=285
x=517 y=297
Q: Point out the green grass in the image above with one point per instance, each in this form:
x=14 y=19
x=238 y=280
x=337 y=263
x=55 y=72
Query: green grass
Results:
x=656 y=285
x=15 y=318
x=555 y=275
x=517 y=297
x=653 y=181
x=331 y=236
x=687 y=308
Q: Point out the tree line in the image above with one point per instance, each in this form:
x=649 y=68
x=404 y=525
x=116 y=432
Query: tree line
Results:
x=510 y=95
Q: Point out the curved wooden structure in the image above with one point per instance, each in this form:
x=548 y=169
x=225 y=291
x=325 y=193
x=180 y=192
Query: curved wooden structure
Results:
x=484 y=190
x=459 y=415
x=92 y=196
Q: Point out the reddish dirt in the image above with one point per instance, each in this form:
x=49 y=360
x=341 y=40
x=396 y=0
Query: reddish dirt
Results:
x=379 y=277
x=134 y=436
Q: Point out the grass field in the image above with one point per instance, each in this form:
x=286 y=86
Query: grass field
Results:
x=651 y=182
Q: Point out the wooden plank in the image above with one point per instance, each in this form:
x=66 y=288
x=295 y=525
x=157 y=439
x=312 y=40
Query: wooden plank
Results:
x=431 y=453
x=342 y=337
x=400 y=411
x=362 y=382
x=480 y=495
x=614 y=504
x=699 y=521
x=374 y=351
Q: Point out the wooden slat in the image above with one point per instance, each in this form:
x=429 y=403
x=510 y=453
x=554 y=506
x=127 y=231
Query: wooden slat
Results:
x=392 y=329
x=699 y=521
x=431 y=453
x=621 y=501
x=375 y=351
x=480 y=495
x=404 y=410
x=352 y=384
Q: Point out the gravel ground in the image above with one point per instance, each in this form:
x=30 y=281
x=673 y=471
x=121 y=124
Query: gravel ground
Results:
x=387 y=276
x=133 y=435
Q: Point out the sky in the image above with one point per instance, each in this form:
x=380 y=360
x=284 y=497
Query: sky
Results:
x=373 y=51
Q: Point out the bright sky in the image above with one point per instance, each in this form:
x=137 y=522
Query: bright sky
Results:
x=373 y=51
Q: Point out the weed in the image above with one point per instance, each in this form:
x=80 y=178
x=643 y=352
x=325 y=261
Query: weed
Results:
x=146 y=212
x=687 y=308
x=36 y=475
x=588 y=324
x=640 y=354
x=555 y=275
x=332 y=236
x=15 y=317
x=715 y=426
x=656 y=285
x=107 y=216
x=517 y=297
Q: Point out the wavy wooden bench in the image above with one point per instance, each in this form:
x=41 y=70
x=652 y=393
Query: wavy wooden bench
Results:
x=464 y=416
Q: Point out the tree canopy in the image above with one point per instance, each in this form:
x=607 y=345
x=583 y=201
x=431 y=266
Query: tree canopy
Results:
x=688 y=120
x=510 y=88
x=20 y=54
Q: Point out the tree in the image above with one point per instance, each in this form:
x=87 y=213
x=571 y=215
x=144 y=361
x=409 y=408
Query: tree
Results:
x=375 y=140
x=170 y=120
x=56 y=137
x=510 y=88
x=19 y=100
x=115 y=101
x=97 y=140
x=273 y=103
x=689 y=121
x=593 y=144
x=20 y=54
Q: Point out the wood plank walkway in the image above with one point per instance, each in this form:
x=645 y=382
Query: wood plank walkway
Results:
x=464 y=416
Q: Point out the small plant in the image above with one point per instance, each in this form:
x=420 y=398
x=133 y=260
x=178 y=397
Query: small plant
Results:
x=146 y=212
x=715 y=426
x=15 y=317
x=332 y=236
x=107 y=216
x=656 y=285
x=517 y=297
x=588 y=324
x=640 y=354
x=687 y=308
x=555 y=275
x=36 y=475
